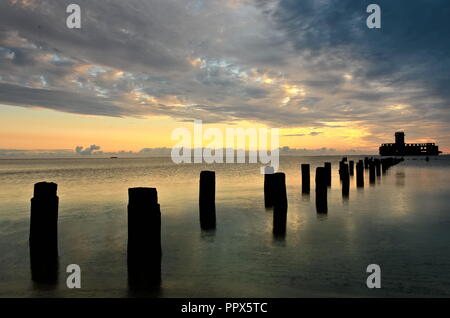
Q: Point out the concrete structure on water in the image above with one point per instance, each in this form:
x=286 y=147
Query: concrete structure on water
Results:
x=400 y=148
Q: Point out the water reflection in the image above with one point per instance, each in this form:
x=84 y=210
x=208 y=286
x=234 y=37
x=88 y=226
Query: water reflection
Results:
x=208 y=235
x=345 y=199
x=279 y=222
x=400 y=178
x=306 y=197
x=322 y=216
x=144 y=275
x=151 y=291
x=44 y=269
x=321 y=204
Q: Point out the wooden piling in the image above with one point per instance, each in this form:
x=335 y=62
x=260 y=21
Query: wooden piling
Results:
x=351 y=167
x=345 y=180
x=378 y=167
x=207 y=200
x=360 y=174
x=383 y=166
x=144 y=238
x=268 y=186
x=43 y=239
x=341 y=163
x=280 y=194
x=372 y=172
x=321 y=190
x=366 y=163
x=279 y=221
x=328 y=173
x=280 y=204
x=305 y=178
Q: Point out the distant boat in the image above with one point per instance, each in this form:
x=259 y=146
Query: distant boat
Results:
x=113 y=157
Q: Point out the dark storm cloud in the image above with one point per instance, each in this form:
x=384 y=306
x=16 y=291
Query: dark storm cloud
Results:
x=411 y=50
x=138 y=40
x=58 y=100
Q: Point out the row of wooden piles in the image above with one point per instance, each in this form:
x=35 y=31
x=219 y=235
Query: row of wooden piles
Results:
x=144 y=216
x=144 y=251
x=346 y=170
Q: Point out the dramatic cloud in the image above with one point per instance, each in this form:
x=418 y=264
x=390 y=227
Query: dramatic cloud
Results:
x=285 y=63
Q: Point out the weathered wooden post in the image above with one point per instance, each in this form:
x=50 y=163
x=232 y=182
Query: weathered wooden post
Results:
x=280 y=194
x=321 y=190
x=345 y=180
x=280 y=204
x=387 y=163
x=378 y=167
x=351 y=167
x=268 y=186
x=360 y=174
x=383 y=166
x=144 y=239
x=341 y=163
x=366 y=163
x=305 y=178
x=328 y=173
x=207 y=200
x=43 y=238
x=372 y=172
x=279 y=221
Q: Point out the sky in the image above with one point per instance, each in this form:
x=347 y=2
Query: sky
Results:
x=138 y=69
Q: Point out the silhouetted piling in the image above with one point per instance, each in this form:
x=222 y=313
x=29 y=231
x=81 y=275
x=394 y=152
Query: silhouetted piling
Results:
x=387 y=163
x=280 y=204
x=279 y=221
x=144 y=239
x=360 y=174
x=207 y=200
x=269 y=186
x=328 y=173
x=43 y=238
x=378 y=167
x=383 y=166
x=345 y=180
x=321 y=190
x=280 y=194
x=372 y=172
x=305 y=178
x=341 y=163
x=366 y=163
x=351 y=167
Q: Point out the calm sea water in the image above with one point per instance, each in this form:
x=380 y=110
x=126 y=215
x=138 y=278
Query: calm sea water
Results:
x=401 y=223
